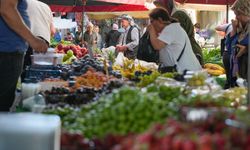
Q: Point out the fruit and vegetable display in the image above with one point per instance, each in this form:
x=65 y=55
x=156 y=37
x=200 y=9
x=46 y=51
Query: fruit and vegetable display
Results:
x=131 y=70
x=131 y=110
x=217 y=131
x=211 y=134
x=124 y=106
x=212 y=56
x=124 y=111
x=196 y=80
x=76 y=49
x=69 y=57
x=83 y=89
x=54 y=43
x=214 y=69
x=87 y=79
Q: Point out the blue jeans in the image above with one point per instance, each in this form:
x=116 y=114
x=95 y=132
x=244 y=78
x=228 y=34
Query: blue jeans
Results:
x=11 y=65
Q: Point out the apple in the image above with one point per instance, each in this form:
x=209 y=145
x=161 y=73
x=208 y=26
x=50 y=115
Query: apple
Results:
x=189 y=145
x=177 y=144
x=60 y=47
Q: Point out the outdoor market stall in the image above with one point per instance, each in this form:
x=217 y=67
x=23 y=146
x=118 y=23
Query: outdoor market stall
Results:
x=109 y=102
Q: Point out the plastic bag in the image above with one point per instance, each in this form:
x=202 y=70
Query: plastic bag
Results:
x=35 y=103
x=119 y=59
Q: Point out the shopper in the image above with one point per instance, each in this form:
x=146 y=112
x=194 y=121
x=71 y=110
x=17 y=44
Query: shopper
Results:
x=41 y=25
x=78 y=35
x=113 y=36
x=197 y=28
x=129 y=40
x=90 y=38
x=185 y=22
x=237 y=42
x=224 y=30
x=14 y=34
x=167 y=36
x=99 y=37
x=57 y=35
x=69 y=36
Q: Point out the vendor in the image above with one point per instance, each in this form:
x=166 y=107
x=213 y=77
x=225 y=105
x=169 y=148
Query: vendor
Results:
x=129 y=40
x=14 y=23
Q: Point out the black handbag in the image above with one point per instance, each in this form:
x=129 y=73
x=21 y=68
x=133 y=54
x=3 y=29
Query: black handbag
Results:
x=164 y=69
x=146 y=51
x=223 y=42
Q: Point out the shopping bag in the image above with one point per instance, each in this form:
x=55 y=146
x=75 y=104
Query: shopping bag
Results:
x=146 y=51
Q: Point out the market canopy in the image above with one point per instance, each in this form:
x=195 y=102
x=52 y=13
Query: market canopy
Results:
x=95 y=5
x=213 y=2
x=134 y=2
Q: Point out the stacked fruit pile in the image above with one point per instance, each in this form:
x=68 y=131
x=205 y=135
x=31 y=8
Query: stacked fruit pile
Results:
x=132 y=71
x=92 y=79
x=214 y=69
x=81 y=66
x=76 y=49
x=84 y=89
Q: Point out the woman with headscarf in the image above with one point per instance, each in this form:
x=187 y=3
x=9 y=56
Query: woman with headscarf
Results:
x=167 y=36
x=237 y=41
x=185 y=22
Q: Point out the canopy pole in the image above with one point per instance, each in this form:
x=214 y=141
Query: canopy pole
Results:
x=227 y=12
x=83 y=14
x=248 y=72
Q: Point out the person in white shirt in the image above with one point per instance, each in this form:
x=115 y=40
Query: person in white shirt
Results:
x=167 y=36
x=41 y=19
x=41 y=25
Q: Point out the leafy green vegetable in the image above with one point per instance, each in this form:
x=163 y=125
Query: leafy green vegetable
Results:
x=212 y=56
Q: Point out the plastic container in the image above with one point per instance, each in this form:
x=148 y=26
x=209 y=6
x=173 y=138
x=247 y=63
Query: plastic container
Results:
x=29 y=131
x=30 y=89
x=49 y=58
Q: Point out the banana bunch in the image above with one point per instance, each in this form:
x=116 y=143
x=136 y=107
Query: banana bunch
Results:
x=214 y=69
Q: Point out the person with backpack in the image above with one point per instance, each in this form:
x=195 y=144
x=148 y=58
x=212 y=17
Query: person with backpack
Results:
x=129 y=40
x=186 y=24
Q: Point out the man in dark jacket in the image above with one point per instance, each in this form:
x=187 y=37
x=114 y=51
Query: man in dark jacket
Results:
x=129 y=40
